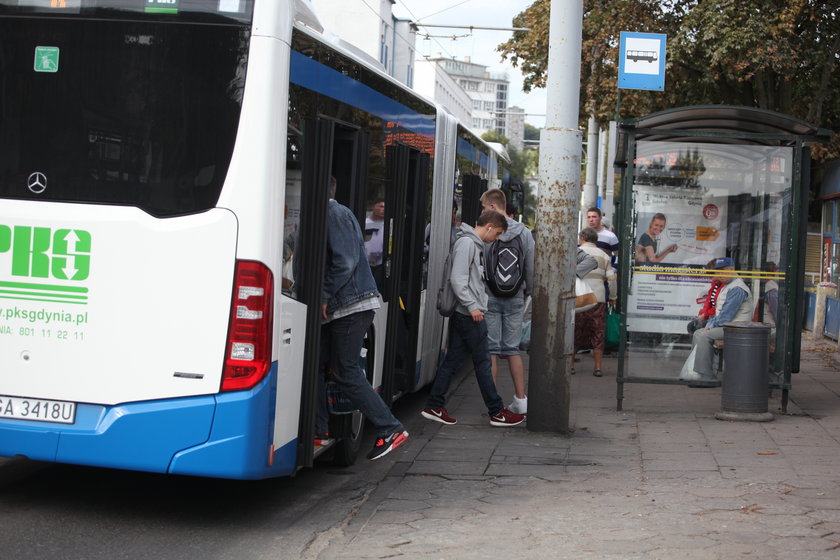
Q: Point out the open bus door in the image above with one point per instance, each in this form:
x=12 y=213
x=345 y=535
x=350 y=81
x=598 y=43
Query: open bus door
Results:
x=406 y=197
x=309 y=269
x=329 y=149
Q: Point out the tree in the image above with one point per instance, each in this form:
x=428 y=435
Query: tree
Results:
x=495 y=136
x=522 y=163
x=780 y=55
x=531 y=132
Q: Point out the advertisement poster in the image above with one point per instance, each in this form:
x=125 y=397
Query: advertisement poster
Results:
x=775 y=213
x=678 y=231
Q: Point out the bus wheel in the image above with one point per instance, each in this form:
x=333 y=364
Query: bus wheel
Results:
x=347 y=448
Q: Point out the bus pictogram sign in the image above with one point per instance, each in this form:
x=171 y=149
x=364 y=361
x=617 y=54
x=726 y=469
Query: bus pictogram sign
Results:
x=46 y=59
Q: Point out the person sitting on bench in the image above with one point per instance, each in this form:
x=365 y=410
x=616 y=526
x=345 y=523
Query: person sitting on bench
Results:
x=734 y=303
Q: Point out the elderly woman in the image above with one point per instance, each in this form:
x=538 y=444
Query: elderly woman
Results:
x=590 y=325
x=648 y=244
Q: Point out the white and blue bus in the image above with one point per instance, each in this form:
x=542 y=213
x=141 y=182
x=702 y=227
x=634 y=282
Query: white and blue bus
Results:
x=163 y=176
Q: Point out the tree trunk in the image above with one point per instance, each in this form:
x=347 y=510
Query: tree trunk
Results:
x=815 y=108
x=760 y=89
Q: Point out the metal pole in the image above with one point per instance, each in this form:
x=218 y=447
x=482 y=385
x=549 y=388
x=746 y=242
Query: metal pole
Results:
x=590 y=188
x=601 y=176
x=609 y=173
x=557 y=211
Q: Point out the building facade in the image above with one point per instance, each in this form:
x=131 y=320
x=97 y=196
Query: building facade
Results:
x=516 y=127
x=431 y=80
x=488 y=93
x=372 y=28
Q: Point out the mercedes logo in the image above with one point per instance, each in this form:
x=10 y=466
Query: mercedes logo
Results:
x=37 y=182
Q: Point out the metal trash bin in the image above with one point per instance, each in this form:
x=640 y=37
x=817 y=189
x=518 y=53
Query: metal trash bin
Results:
x=746 y=376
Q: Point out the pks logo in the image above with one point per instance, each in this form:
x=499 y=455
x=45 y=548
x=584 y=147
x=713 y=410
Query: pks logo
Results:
x=40 y=252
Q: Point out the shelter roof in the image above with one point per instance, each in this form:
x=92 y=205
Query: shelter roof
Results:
x=719 y=124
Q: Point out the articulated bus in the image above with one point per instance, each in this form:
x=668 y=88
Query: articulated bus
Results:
x=164 y=167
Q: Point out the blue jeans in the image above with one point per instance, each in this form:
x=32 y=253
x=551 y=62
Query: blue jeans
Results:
x=466 y=337
x=341 y=345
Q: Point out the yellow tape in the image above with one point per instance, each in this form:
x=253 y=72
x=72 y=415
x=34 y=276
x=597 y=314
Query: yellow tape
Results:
x=695 y=272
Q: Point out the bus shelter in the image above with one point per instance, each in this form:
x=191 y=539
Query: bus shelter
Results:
x=699 y=184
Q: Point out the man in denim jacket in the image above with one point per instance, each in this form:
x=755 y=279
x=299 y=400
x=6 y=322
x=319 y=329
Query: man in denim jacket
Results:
x=349 y=300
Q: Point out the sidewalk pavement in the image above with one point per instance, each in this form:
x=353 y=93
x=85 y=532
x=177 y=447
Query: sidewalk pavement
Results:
x=662 y=479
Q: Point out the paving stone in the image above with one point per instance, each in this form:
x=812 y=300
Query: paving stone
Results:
x=825 y=515
x=547 y=472
x=404 y=505
x=679 y=461
x=683 y=554
x=448 y=467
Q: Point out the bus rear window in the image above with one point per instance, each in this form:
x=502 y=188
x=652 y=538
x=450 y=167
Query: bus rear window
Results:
x=119 y=112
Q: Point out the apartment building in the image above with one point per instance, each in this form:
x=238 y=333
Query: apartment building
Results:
x=487 y=91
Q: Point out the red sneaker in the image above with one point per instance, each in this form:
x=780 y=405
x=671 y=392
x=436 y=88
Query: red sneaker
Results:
x=385 y=445
x=506 y=418
x=438 y=415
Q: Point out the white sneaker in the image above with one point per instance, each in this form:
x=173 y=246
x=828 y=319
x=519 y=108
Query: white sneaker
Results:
x=519 y=406
x=691 y=376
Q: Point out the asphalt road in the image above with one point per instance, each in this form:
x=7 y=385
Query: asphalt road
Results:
x=52 y=511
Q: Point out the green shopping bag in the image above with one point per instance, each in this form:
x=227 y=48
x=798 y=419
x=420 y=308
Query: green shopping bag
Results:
x=613 y=326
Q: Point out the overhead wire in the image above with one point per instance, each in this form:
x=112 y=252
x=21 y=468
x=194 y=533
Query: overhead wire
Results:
x=401 y=38
x=438 y=12
x=416 y=21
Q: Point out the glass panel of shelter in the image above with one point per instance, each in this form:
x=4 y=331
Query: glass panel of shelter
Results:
x=695 y=202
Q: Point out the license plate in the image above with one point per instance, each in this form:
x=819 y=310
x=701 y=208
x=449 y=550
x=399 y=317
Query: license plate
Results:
x=21 y=408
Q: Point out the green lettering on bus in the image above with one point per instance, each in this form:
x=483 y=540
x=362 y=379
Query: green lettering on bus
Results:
x=38 y=252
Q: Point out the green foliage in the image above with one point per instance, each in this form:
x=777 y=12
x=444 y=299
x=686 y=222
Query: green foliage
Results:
x=531 y=132
x=780 y=55
x=495 y=136
x=522 y=163
x=529 y=212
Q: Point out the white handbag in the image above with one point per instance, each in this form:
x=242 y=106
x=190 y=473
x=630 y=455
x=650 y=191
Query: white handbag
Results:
x=584 y=296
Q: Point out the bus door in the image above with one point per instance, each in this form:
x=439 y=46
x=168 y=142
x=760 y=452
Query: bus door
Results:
x=350 y=162
x=405 y=209
x=330 y=149
x=309 y=265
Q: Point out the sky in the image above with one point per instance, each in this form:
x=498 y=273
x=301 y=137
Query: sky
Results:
x=479 y=45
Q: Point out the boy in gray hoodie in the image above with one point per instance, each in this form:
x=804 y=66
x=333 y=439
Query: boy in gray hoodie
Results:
x=467 y=328
x=505 y=314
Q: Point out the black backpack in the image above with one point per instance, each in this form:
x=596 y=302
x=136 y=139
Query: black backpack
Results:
x=505 y=264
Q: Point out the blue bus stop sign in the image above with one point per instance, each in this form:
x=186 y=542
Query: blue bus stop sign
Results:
x=641 y=61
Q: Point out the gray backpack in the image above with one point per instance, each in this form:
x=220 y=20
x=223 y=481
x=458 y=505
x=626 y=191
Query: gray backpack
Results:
x=446 y=300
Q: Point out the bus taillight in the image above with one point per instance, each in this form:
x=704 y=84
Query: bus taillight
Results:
x=248 y=353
